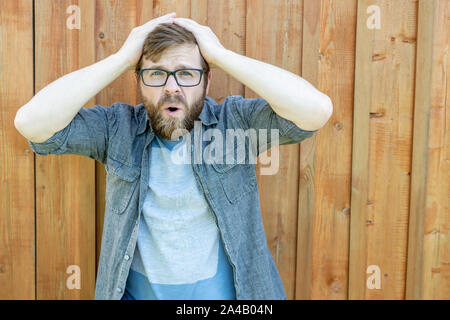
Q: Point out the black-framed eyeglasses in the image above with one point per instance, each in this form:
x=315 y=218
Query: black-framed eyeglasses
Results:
x=184 y=77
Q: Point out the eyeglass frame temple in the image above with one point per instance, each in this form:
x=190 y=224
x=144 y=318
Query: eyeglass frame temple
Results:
x=169 y=73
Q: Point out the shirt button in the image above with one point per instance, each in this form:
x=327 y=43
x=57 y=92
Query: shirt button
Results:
x=119 y=290
x=127 y=257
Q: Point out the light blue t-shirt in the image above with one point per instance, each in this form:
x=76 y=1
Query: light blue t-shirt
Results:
x=179 y=253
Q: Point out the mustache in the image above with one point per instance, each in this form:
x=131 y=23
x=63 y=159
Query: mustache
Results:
x=167 y=99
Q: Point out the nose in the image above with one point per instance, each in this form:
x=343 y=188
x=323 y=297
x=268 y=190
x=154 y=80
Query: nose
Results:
x=171 y=85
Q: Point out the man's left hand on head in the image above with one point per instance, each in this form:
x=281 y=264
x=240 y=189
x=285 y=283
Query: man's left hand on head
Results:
x=208 y=42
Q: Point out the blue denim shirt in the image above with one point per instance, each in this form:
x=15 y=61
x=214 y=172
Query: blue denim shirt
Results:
x=119 y=137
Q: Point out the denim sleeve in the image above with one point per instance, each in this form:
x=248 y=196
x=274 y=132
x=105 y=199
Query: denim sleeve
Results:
x=87 y=134
x=258 y=114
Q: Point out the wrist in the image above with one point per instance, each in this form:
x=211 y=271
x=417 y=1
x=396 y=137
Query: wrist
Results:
x=219 y=57
x=123 y=61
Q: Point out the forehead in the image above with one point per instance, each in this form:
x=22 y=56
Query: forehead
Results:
x=181 y=56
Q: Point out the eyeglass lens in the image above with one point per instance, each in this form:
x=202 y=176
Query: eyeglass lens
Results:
x=184 y=77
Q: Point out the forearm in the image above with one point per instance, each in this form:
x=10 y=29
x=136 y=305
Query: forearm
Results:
x=54 y=107
x=289 y=95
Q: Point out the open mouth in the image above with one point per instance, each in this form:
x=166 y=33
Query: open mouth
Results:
x=172 y=110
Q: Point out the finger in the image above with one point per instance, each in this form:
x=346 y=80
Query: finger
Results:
x=188 y=26
x=186 y=21
x=183 y=24
x=167 y=17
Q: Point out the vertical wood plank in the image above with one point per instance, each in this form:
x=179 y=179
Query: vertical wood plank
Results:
x=17 y=219
x=273 y=35
x=325 y=165
x=391 y=147
x=227 y=20
x=428 y=272
x=414 y=288
x=65 y=185
x=382 y=148
x=306 y=195
x=436 y=250
x=360 y=158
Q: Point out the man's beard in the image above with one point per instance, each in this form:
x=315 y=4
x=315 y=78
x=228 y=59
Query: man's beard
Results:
x=164 y=125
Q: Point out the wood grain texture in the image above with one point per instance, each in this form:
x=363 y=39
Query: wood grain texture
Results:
x=325 y=162
x=17 y=220
x=390 y=147
x=65 y=185
x=363 y=84
x=382 y=143
x=370 y=188
x=227 y=21
x=273 y=35
x=428 y=273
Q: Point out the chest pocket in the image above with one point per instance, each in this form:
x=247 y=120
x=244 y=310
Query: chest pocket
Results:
x=121 y=183
x=236 y=179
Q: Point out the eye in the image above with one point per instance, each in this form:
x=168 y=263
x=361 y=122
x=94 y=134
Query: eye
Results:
x=186 y=73
x=156 y=73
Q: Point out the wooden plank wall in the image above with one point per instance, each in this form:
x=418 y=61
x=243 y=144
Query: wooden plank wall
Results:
x=275 y=39
x=371 y=188
x=428 y=268
x=325 y=162
x=65 y=185
x=17 y=192
x=382 y=146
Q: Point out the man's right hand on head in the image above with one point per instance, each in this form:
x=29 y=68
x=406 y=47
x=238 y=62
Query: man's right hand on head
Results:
x=132 y=48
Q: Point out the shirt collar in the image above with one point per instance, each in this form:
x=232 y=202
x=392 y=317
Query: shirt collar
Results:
x=207 y=115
